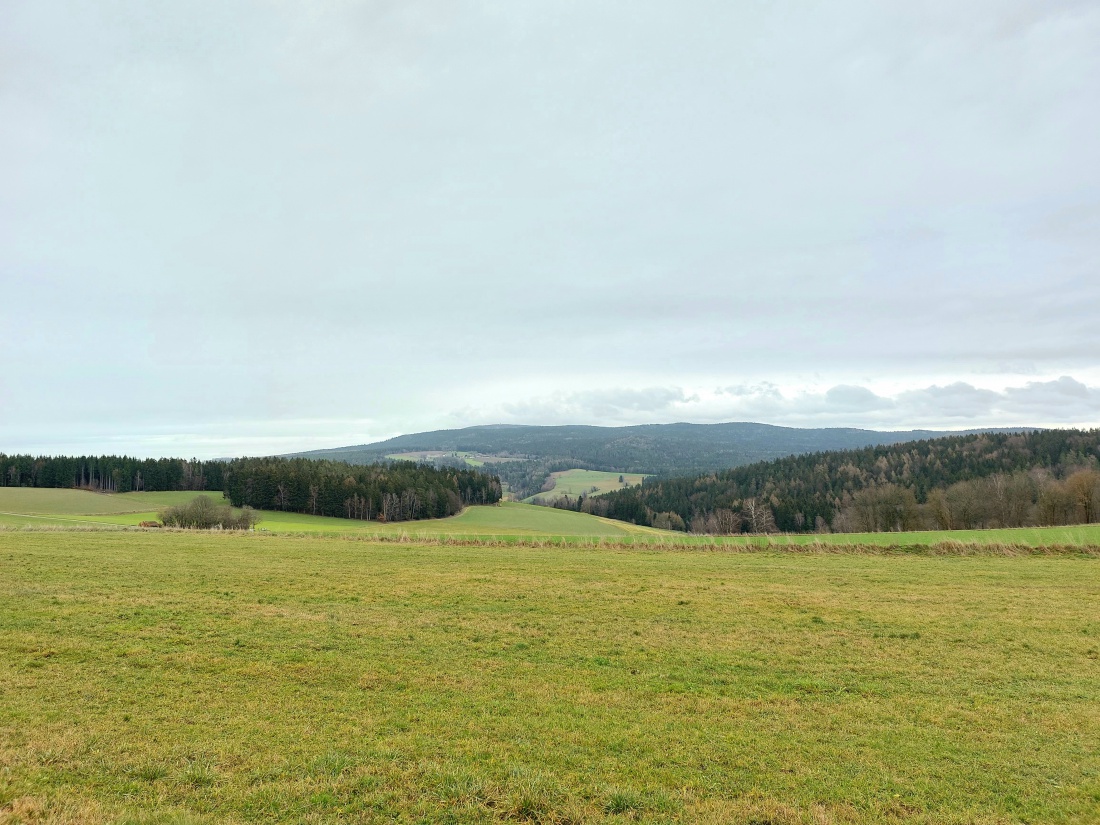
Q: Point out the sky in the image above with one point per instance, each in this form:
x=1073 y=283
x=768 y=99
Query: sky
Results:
x=266 y=226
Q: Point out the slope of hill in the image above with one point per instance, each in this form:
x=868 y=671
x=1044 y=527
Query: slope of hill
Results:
x=1045 y=477
x=667 y=449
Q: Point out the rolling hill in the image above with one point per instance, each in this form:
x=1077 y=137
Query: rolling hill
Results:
x=664 y=449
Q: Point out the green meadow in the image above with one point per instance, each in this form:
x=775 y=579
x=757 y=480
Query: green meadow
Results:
x=167 y=677
x=575 y=482
x=507 y=522
x=472 y=459
x=34 y=507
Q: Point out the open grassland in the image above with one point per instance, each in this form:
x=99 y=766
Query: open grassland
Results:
x=575 y=482
x=472 y=459
x=1076 y=535
x=36 y=507
x=509 y=521
x=209 y=678
x=29 y=507
x=62 y=502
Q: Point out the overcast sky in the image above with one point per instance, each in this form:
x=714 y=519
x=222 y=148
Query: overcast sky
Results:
x=255 y=227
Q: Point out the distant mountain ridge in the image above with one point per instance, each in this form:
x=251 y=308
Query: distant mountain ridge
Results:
x=665 y=449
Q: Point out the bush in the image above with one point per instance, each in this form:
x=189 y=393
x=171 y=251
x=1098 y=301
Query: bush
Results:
x=203 y=513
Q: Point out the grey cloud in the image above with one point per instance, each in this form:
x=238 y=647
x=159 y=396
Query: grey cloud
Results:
x=610 y=406
x=855 y=399
x=286 y=211
x=1064 y=401
x=1063 y=388
x=1068 y=398
x=764 y=389
x=954 y=400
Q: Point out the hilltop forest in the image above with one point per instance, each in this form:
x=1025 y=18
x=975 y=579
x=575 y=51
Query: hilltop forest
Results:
x=974 y=481
x=534 y=452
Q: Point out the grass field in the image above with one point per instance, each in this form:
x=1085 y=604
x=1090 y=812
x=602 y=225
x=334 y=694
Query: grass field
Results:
x=29 y=506
x=509 y=521
x=472 y=459
x=575 y=482
x=209 y=678
x=20 y=507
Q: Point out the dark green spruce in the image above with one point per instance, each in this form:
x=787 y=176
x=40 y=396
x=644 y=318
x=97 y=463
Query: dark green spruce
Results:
x=970 y=481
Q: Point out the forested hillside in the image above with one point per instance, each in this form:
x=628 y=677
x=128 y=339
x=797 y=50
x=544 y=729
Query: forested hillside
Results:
x=396 y=492
x=982 y=480
x=661 y=449
x=652 y=448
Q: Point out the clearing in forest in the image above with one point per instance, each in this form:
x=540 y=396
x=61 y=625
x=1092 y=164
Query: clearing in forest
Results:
x=577 y=482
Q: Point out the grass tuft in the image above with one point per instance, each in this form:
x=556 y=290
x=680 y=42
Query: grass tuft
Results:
x=149 y=772
x=198 y=775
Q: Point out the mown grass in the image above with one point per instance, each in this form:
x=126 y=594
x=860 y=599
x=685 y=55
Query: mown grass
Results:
x=575 y=482
x=198 y=678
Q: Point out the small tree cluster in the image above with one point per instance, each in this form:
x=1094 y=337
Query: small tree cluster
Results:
x=203 y=513
x=399 y=491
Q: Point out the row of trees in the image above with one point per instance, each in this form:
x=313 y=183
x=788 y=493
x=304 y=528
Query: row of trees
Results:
x=984 y=480
x=110 y=473
x=1018 y=500
x=400 y=491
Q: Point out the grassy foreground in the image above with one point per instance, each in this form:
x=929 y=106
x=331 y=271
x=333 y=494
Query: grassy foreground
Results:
x=175 y=677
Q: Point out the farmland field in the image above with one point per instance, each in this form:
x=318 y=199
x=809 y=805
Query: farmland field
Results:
x=575 y=482
x=202 y=678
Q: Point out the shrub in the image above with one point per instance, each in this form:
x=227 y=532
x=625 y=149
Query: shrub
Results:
x=203 y=513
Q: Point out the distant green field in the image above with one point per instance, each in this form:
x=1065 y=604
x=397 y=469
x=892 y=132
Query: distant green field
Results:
x=32 y=506
x=28 y=507
x=20 y=506
x=575 y=482
x=35 y=500
x=505 y=519
x=195 y=679
x=472 y=459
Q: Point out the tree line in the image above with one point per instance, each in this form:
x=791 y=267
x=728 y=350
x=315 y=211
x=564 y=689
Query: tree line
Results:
x=400 y=491
x=396 y=491
x=971 y=481
x=110 y=473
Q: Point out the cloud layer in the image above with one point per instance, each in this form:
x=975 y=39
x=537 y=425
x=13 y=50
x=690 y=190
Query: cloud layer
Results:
x=244 y=218
x=1061 y=402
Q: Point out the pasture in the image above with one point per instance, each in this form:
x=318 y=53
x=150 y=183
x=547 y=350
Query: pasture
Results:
x=471 y=459
x=575 y=482
x=30 y=507
x=507 y=522
x=204 y=678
